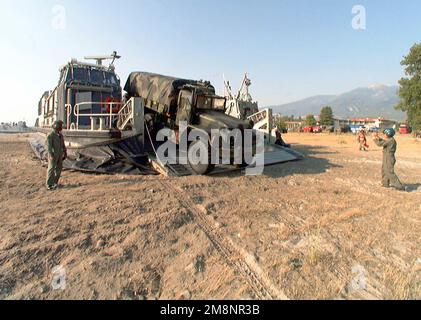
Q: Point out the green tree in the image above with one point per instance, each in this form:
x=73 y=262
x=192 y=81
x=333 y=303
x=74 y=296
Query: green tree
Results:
x=410 y=87
x=311 y=120
x=280 y=122
x=326 y=116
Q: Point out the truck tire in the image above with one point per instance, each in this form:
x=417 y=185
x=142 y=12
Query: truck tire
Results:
x=201 y=168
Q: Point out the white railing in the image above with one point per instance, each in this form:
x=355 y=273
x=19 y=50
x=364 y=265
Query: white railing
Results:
x=126 y=115
x=110 y=116
x=116 y=120
x=69 y=110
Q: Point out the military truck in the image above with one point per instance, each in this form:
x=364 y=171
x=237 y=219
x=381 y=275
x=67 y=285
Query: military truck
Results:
x=170 y=100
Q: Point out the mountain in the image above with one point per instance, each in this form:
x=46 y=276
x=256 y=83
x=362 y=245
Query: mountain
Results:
x=374 y=101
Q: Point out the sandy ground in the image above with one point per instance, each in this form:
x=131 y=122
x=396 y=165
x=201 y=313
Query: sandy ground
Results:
x=321 y=228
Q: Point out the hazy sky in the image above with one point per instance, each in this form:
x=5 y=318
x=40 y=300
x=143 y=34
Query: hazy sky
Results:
x=291 y=48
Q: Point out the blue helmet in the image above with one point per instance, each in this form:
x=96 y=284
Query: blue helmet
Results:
x=390 y=132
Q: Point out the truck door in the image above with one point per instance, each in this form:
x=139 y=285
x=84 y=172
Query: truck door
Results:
x=184 y=112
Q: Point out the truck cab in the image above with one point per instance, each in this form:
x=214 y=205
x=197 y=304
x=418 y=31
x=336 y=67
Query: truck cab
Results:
x=202 y=109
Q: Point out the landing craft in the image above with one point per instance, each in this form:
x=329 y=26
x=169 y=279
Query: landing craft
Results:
x=102 y=133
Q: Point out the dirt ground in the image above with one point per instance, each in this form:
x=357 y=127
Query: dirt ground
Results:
x=322 y=228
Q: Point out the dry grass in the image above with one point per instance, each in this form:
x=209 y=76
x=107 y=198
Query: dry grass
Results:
x=306 y=224
x=401 y=284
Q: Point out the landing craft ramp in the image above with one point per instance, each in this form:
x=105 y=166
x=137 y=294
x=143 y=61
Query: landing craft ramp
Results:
x=274 y=155
x=120 y=156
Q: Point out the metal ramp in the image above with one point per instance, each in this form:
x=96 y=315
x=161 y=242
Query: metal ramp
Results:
x=274 y=155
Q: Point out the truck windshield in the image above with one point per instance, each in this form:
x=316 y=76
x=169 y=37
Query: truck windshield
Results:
x=209 y=103
x=219 y=104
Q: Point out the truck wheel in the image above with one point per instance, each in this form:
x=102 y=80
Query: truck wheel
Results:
x=200 y=168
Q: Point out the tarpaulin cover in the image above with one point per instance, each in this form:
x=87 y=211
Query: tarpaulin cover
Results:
x=158 y=89
x=125 y=156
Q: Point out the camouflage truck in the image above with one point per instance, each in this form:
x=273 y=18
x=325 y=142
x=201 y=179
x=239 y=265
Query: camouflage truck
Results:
x=170 y=100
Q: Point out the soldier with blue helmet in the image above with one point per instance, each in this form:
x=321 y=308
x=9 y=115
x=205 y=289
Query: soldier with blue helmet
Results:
x=389 y=144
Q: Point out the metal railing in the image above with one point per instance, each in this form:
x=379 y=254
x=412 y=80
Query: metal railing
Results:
x=110 y=116
x=126 y=115
x=263 y=122
x=261 y=116
x=107 y=120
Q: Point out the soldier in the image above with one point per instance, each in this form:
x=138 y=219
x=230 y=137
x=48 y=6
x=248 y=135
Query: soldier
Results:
x=279 y=140
x=57 y=153
x=389 y=178
x=362 y=140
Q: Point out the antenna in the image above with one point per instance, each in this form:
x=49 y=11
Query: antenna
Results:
x=244 y=93
x=227 y=87
x=100 y=59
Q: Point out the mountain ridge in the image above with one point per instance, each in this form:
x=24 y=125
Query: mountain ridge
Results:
x=372 y=101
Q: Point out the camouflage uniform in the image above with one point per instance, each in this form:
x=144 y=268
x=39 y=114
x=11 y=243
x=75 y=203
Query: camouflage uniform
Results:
x=56 y=154
x=389 y=178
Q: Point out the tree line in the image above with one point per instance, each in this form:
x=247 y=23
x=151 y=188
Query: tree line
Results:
x=409 y=93
x=326 y=118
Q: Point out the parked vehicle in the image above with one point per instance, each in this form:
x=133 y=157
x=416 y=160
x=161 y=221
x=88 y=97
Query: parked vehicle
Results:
x=317 y=129
x=308 y=129
x=404 y=129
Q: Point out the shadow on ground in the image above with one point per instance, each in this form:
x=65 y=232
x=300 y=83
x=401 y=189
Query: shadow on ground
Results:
x=314 y=162
x=413 y=187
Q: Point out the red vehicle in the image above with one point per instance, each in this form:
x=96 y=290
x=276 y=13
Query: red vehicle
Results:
x=317 y=129
x=404 y=129
x=308 y=129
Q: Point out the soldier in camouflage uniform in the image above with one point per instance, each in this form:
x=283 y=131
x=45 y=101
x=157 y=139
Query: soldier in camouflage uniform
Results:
x=57 y=153
x=389 y=177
